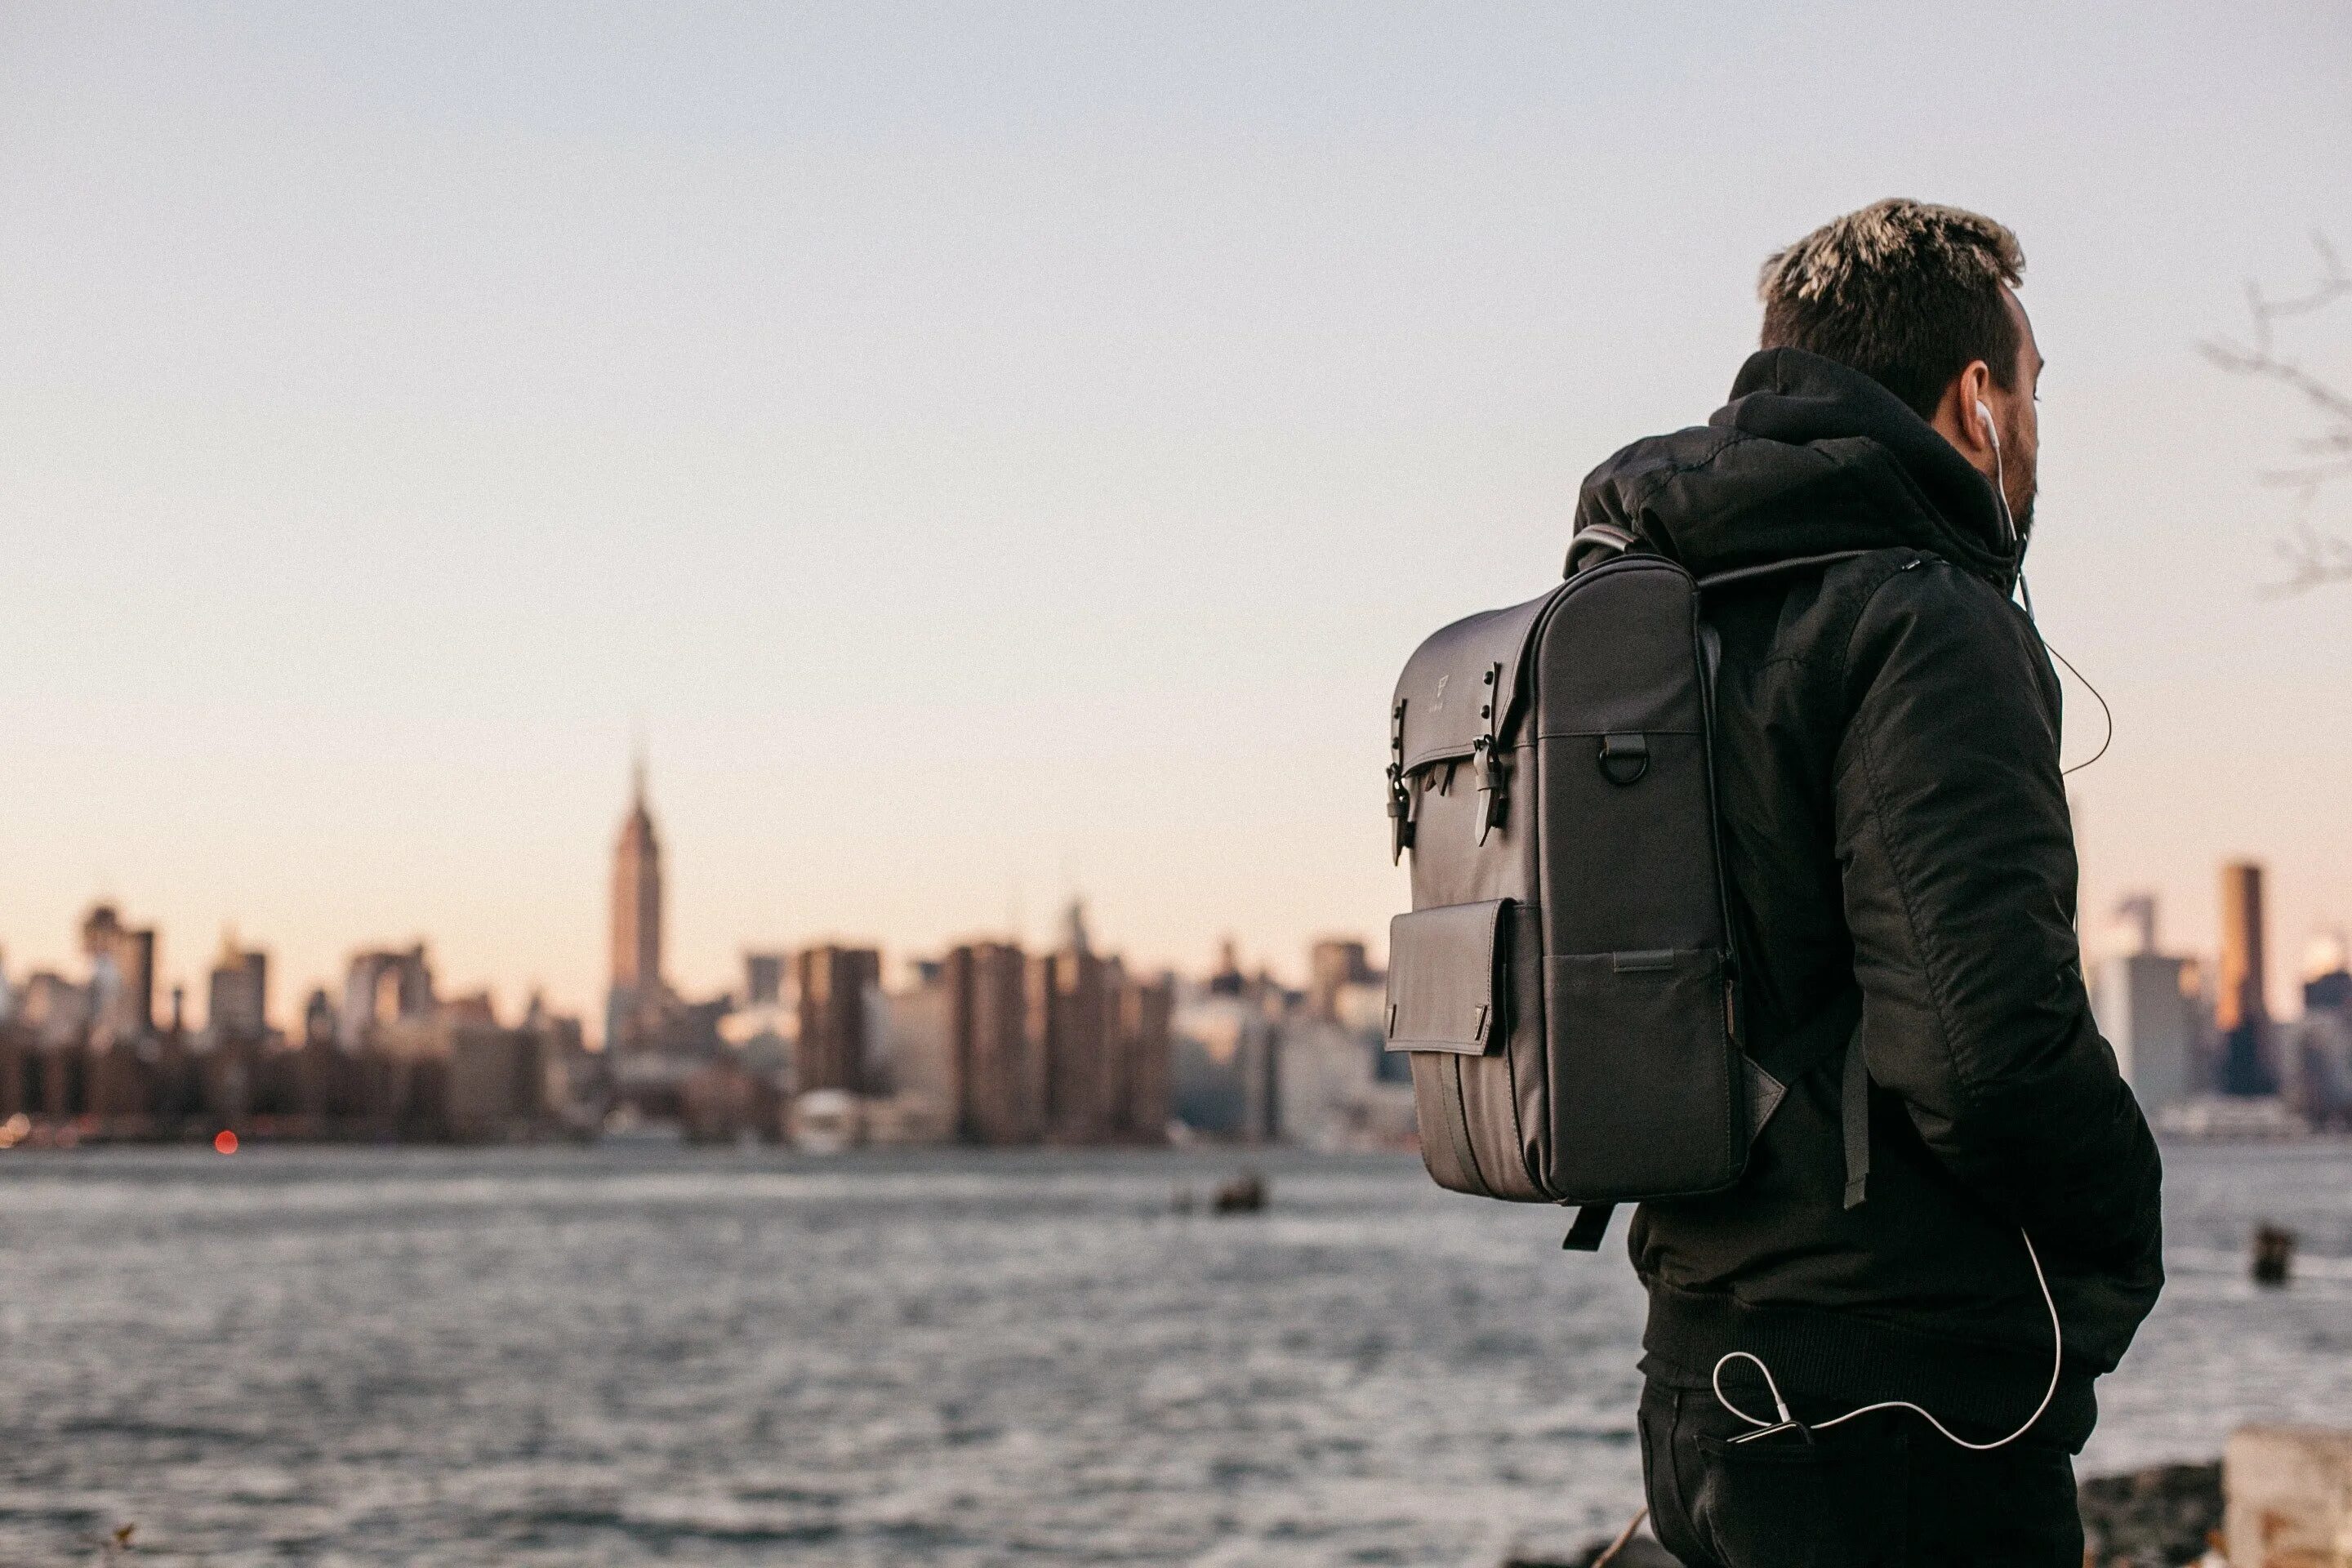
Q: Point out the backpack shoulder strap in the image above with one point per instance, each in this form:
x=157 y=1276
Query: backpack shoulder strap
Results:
x=1738 y=574
x=1834 y=1032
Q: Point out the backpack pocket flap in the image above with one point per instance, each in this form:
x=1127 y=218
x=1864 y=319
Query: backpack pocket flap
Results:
x=1444 y=974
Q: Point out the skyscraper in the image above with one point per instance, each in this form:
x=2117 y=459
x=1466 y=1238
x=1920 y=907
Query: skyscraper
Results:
x=634 y=1004
x=1073 y=994
x=123 y=974
x=2241 y=1012
x=2318 y=1055
x=237 y=997
x=1000 y=1067
x=1062 y=1046
x=2146 y=1011
x=385 y=986
x=1333 y=965
x=833 y=983
x=763 y=979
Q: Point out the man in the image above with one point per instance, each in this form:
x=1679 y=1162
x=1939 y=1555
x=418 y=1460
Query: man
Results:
x=1893 y=816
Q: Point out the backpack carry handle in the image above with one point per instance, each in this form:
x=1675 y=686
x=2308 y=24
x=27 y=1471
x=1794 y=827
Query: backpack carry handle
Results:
x=1593 y=543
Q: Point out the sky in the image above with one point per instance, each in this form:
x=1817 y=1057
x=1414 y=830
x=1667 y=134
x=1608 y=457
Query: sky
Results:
x=990 y=453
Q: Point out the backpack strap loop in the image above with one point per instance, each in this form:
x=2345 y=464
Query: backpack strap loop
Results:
x=1854 y=1118
x=1486 y=760
x=1591 y=1225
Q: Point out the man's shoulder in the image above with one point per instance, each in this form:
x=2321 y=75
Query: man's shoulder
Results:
x=1926 y=620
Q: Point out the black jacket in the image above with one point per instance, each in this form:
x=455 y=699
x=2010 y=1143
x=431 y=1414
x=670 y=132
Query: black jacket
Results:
x=1889 y=789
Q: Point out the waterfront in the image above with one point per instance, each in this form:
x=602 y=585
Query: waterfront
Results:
x=623 y=1356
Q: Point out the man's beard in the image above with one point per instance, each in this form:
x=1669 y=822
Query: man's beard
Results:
x=2019 y=484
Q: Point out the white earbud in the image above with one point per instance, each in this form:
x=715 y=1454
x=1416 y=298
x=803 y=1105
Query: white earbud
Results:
x=1999 y=480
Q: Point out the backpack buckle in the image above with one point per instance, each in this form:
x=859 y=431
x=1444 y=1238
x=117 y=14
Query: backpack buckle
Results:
x=1400 y=816
x=1400 y=797
x=1493 y=800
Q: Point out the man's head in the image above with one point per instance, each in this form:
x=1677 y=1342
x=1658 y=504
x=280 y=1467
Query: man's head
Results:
x=1919 y=299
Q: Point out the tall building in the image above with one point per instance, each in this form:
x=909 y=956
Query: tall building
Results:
x=834 y=1044
x=122 y=976
x=2328 y=972
x=1072 y=994
x=633 y=1006
x=912 y=1069
x=319 y=1019
x=1227 y=1061
x=1142 y=1033
x=237 y=999
x=763 y=979
x=2318 y=1053
x=2241 y=1012
x=384 y=987
x=1103 y=1041
x=1065 y=1047
x=2149 y=1010
x=1000 y=1068
x=1332 y=966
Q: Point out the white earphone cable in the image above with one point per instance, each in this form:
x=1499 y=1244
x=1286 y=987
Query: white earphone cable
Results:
x=1764 y=1429
x=1781 y=1406
x=2001 y=495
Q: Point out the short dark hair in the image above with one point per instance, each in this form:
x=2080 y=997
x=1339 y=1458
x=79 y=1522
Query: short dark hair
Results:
x=1907 y=293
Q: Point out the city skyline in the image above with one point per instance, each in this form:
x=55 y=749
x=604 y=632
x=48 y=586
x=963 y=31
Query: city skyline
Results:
x=1005 y=457
x=987 y=1043
x=638 y=1000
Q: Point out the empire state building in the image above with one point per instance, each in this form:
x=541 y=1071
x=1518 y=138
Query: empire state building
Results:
x=634 y=1008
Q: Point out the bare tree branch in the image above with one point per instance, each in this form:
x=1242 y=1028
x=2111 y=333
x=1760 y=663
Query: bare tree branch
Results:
x=2312 y=558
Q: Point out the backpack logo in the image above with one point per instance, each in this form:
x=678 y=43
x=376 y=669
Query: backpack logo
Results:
x=1439 y=700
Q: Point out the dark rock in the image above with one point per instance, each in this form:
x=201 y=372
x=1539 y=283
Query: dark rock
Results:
x=1246 y=1193
x=1641 y=1551
x=2273 y=1262
x=2156 y=1518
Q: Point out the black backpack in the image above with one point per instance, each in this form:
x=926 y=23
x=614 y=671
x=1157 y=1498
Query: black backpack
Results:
x=1567 y=983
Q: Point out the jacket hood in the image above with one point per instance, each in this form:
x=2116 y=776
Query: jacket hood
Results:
x=1809 y=457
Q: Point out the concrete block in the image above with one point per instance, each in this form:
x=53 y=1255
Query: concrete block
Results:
x=2289 y=1492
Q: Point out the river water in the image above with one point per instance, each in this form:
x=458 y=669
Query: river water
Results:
x=624 y=1356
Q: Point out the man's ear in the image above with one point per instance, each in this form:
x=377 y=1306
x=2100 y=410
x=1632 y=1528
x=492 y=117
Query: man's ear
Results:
x=1976 y=393
x=1956 y=419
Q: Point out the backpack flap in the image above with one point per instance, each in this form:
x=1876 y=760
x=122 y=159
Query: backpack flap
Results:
x=1443 y=979
x=1455 y=702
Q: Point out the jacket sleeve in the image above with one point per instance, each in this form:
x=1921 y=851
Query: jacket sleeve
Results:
x=1959 y=868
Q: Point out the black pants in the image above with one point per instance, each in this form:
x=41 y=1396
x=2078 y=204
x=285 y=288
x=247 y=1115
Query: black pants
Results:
x=1883 y=1492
